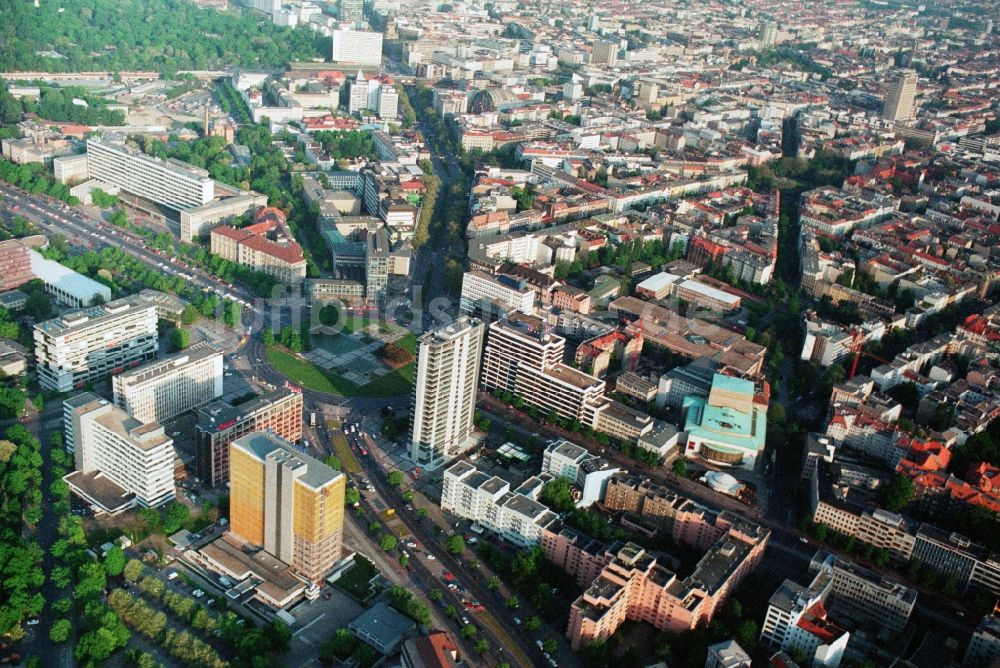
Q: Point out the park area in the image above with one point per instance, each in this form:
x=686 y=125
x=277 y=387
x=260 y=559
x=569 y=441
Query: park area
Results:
x=364 y=358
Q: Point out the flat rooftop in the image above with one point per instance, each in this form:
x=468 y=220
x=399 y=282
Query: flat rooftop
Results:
x=153 y=370
x=241 y=560
x=99 y=490
x=89 y=317
x=263 y=445
x=217 y=413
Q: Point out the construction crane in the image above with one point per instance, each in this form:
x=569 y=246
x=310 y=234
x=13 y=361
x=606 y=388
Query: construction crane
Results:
x=856 y=342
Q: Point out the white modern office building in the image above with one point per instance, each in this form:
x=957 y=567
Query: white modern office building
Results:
x=166 y=388
x=488 y=501
x=167 y=182
x=85 y=345
x=388 y=102
x=444 y=393
x=357 y=47
x=66 y=286
x=181 y=194
x=480 y=289
x=120 y=461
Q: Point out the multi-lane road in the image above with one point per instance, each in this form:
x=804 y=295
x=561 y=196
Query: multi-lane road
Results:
x=87 y=231
x=512 y=646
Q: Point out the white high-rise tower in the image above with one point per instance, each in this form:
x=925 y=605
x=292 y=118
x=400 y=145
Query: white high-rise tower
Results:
x=444 y=394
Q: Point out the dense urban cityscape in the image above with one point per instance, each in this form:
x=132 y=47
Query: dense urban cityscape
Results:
x=417 y=334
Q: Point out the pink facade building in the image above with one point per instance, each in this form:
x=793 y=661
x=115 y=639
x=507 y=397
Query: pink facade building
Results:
x=628 y=582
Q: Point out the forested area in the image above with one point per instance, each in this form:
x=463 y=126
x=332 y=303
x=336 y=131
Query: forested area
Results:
x=56 y=104
x=20 y=504
x=157 y=35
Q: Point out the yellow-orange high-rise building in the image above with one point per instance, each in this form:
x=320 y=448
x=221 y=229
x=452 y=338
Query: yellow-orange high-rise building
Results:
x=287 y=502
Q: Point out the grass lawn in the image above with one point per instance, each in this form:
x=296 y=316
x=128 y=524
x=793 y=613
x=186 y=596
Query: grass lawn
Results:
x=357 y=581
x=344 y=453
x=396 y=383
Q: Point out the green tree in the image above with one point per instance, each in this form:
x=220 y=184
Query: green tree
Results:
x=455 y=544
x=114 y=561
x=898 y=493
x=680 y=468
x=60 y=631
x=134 y=570
x=180 y=338
x=395 y=478
x=388 y=542
x=176 y=515
x=558 y=496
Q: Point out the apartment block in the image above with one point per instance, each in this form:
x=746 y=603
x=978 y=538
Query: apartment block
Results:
x=89 y=344
x=266 y=246
x=444 y=392
x=166 y=388
x=863 y=596
x=589 y=473
x=515 y=515
x=219 y=424
x=524 y=357
x=120 y=461
x=286 y=502
x=636 y=585
x=797 y=621
x=15 y=265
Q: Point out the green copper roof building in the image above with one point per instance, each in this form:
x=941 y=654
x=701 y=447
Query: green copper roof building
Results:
x=728 y=428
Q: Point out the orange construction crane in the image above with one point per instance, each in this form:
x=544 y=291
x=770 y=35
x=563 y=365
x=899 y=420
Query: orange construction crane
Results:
x=857 y=341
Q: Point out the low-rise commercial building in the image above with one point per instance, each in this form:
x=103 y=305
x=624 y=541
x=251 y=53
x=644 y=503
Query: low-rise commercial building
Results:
x=66 y=286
